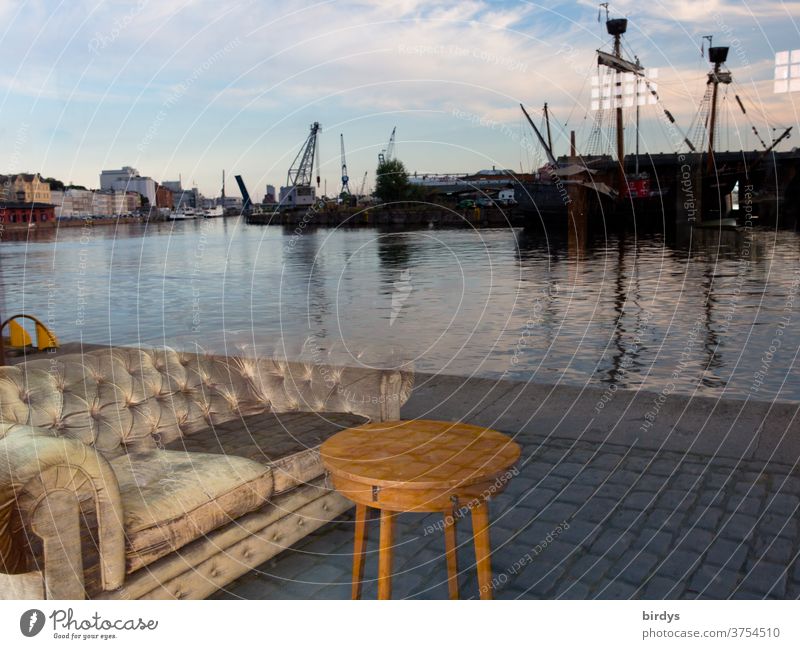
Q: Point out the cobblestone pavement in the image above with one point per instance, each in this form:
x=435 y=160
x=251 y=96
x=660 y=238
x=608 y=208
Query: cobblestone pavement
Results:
x=583 y=521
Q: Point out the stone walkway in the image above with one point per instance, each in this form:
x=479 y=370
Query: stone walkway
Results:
x=583 y=520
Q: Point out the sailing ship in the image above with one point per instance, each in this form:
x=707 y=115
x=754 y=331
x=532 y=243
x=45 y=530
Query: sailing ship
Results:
x=618 y=189
x=612 y=189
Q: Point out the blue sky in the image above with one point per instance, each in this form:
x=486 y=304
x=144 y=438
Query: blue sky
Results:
x=191 y=86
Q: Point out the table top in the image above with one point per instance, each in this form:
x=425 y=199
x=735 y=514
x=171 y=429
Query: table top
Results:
x=419 y=454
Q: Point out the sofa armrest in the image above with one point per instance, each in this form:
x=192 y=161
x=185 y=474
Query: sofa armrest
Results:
x=45 y=478
x=376 y=394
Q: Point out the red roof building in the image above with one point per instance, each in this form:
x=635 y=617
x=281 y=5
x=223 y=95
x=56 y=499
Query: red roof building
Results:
x=17 y=214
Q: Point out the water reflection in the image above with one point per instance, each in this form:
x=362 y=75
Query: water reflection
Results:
x=693 y=309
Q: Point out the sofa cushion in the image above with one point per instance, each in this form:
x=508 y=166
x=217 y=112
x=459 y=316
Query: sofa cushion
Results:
x=286 y=442
x=170 y=498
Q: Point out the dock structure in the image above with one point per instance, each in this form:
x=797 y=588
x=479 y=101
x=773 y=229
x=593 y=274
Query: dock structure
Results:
x=393 y=215
x=600 y=511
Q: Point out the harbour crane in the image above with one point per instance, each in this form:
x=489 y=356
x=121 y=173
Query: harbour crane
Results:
x=298 y=190
x=301 y=171
x=388 y=152
x=345 y=178
x=363 y=184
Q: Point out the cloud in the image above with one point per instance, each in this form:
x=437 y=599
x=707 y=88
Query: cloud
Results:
x=691 y=11
x=353 y=62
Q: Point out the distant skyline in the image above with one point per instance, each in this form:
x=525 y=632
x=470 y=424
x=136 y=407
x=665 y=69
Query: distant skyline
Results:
x=191 y=87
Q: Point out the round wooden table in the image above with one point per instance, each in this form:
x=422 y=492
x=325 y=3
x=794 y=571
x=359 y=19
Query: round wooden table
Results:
x=421 y=466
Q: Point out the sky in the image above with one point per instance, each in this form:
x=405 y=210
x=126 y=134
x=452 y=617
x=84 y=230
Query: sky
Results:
x=187 y=88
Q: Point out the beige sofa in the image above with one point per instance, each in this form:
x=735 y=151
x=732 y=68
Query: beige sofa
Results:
x=128 y=473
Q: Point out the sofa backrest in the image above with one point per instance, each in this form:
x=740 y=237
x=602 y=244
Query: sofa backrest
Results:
x=126 y=399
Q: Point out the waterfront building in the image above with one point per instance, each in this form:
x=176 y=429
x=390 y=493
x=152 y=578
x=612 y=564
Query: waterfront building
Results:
x=72 y=203
x=26 y=188
x=128 y=179
x=230 y=202
x=183 y=198
x=78 y=202
x=164 y=197
x=23 y=214
x=110 y=203
x=57 y=201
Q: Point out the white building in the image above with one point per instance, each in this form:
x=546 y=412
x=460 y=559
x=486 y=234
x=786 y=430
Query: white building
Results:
x=111 y=203
x=506 y=196
x=57 y=199
x=73 y=203
x=230 y=203
x=298 y=196
x=128 y=179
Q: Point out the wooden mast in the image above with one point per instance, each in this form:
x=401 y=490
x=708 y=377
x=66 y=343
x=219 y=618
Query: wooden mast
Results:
x=717 y=56
x=551 y=159
x=547 y=121
x=617 y=27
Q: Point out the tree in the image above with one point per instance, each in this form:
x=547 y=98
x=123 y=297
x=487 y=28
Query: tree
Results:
x=55 y=184
x=391 y=182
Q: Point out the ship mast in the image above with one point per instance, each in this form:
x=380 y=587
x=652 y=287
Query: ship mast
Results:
x=717 y=56
x=616 y=27
x=547 y=121
x=636 y=99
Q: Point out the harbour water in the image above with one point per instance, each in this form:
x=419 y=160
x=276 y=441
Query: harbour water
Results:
x=716 y=316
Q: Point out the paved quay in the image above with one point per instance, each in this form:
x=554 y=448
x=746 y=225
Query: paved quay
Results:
x=701 y=503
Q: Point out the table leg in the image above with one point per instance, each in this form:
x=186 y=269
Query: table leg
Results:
x=450 y=553
x=359 y=550
x=385 y=552
x=480 y=534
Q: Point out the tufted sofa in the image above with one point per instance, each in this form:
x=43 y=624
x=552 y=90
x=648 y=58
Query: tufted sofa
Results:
x=130 y=473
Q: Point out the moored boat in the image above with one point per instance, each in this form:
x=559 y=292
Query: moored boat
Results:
x=183 y=214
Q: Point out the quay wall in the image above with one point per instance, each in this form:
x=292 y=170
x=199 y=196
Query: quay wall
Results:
x=393 y=215
x=763 y=431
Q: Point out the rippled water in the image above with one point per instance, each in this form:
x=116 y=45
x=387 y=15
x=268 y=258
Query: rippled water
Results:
x=631 y=310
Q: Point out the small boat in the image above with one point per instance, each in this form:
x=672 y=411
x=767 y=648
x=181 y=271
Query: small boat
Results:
x=212 y=212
